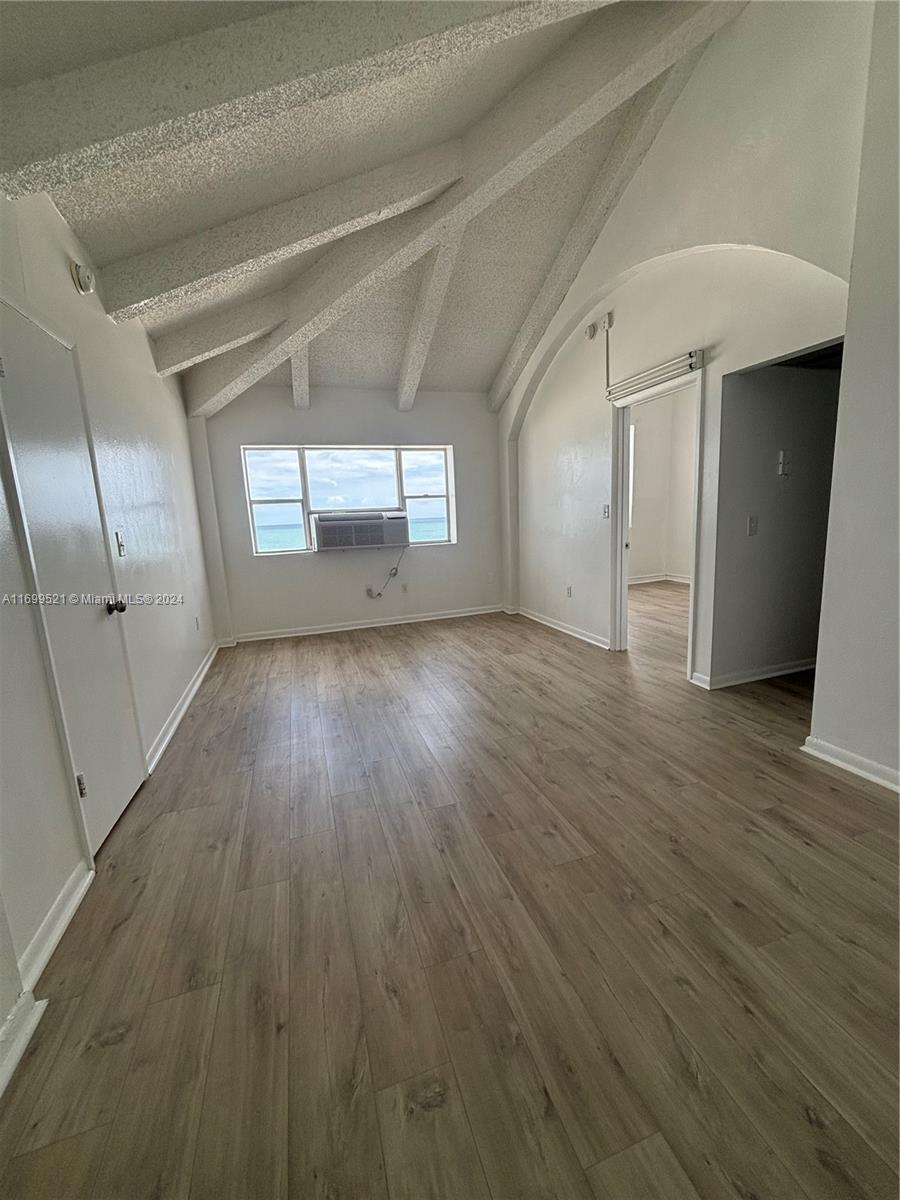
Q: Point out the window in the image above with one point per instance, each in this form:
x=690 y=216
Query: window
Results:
x=286 y=485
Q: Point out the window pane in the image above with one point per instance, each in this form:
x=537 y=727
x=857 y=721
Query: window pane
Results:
x=279 y=527
x=347 y=479
x=423 y=471
x=427 y=521
x=273 y=474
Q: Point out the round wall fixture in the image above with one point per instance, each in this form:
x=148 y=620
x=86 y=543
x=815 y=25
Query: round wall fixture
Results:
x=591 y=331
x=82 y=277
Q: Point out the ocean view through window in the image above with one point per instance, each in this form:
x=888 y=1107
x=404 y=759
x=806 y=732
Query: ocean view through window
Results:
x=287 y=485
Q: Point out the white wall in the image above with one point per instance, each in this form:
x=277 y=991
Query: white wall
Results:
x=768 y=587
x=302 y=592
x=761 y=149
x=140 y=437
x=140 y=434
x=855 y=712
x=663 y=488
x=746 y=306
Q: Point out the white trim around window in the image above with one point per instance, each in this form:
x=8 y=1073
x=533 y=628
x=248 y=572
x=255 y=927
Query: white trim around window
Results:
x=298 y=494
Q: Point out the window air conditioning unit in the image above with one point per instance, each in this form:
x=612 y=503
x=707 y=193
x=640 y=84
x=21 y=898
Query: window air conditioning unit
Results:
x=346 y=530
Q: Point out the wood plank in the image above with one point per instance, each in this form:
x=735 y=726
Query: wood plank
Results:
x=428 y=1149
x=335 y=1149
x=150 y=1150
x=248 y=1070
x=856 y=1083
x=93 y=1061
x=440 y=922
x=194 y=953
x=404 y=1034
x=600 y=1110
x=521 y=1140
x=267 y=826
x=32 y=1073
x=65 y=1170
x=310 y=787
x=648 y=1170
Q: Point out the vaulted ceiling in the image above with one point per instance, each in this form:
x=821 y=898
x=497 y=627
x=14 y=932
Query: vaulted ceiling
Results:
x=375 y=195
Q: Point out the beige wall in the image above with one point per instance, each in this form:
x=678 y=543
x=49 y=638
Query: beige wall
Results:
x=663 y=489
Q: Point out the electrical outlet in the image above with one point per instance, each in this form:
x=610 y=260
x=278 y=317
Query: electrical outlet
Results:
x=569 y=590
x=752 y=525
x=605 y=512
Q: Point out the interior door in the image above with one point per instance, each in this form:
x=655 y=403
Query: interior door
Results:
x=44 y=422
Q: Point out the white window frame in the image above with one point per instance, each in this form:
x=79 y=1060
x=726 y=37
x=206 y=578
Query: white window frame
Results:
x=307 y=512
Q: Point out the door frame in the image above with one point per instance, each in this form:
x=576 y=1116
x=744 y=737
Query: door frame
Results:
x=620 y=416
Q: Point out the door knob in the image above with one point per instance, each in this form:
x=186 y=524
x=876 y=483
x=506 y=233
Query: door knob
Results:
x=118 y=606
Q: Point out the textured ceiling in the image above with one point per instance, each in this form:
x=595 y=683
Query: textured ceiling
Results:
x=474 y=83
x=41 y=38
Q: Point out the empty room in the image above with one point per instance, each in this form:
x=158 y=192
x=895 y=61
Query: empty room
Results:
x=449 y=624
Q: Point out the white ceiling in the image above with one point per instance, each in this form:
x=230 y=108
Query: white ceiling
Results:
x=137 y=195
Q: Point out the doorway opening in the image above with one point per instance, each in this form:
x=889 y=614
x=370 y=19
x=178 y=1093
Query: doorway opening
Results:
x=775 y=466
x=657 y=438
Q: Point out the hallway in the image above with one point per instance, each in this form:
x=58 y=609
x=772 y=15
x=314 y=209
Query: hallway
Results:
x=471 y=909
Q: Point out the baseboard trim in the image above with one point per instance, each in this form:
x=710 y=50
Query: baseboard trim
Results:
x=701 y=681
x=659 y=579
x=754 y=673
x=561 y=627
x=38 y=951
x=377 y=623
x=867 y=768
x=165 y=735
x=16 y=1032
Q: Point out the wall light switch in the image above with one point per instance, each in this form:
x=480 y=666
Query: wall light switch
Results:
x=120 y=544
x=605 y=512
x=785 y=462
x=752 y=525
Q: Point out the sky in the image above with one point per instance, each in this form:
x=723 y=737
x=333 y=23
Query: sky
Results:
x=343 y=478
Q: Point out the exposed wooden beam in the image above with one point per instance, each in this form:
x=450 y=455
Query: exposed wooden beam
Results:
x=617 y=54
x=633 y=140
x=140 y=285
x=429 y=303
x=300 y=377
x=54 y=132
x=217 y=333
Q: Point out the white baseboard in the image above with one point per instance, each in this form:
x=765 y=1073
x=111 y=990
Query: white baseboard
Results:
x=571 y=630
x=753 y=673
x=38 y=951
x=376 y=623
x=701 y=681
x=888 y=777
x=665 y=578
x=174 y=719
x=15 y=1034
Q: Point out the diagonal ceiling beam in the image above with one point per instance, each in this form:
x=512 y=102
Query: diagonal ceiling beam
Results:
x=300 y=378
x=634 y=138
x=429 y=303
x=54 y=132
x=619 y=52
x=140 y=285
x=217 y=333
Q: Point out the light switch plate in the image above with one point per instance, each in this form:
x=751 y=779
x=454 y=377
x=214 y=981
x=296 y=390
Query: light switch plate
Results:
x=752 y=525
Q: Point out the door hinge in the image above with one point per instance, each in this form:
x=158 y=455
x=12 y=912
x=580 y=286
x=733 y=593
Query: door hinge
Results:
x=82 y=786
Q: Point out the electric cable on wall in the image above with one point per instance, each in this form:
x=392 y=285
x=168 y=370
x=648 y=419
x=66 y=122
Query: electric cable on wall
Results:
x=392 y=574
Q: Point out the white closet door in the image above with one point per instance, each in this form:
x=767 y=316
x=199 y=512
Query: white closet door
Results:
x=45 y=430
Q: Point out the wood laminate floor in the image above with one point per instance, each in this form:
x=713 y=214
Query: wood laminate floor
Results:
x=469 y=910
